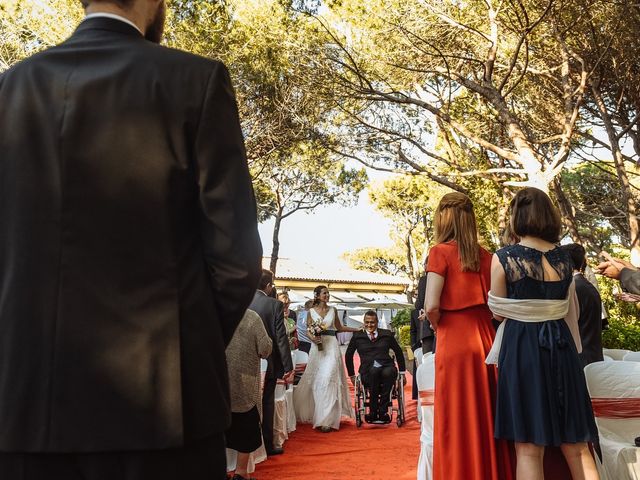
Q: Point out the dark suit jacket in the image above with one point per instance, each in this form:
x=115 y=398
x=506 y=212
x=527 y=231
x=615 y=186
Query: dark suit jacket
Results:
x=128 y=244
x=590 y=320
x=369 y=351
x=272 y=313
x=630 y=280
x=419 y=330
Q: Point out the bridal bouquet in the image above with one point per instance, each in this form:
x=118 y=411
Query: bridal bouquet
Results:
x=316 y=328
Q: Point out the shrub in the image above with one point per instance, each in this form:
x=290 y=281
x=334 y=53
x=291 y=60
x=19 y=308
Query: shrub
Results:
x=403 y=317
x=404 y=335
x=624 y=328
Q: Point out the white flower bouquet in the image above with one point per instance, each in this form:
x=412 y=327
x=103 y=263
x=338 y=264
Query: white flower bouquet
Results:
x=315 y=329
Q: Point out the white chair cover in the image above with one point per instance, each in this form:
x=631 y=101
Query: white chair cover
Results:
x=425 y=377
x=417 y=357
x=632 y=357
x=291 y=412
x=615 y=353
x=260 y=455
x=607 y=358
x=620 y=456
x=280 y=415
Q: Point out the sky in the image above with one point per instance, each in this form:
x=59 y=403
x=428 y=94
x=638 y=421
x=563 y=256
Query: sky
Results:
x=326 y=233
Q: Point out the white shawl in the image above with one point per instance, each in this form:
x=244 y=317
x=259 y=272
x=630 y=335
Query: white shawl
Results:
x=534 y=311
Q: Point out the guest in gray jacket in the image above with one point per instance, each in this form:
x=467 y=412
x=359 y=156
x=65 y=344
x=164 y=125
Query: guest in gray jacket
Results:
x=249 y=344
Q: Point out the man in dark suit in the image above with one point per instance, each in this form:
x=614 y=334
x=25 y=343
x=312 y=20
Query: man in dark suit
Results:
x=377 y=368
x=590 y=318
x=279 y=363
x=420 y=330
x=128 y=254
x=424 y=333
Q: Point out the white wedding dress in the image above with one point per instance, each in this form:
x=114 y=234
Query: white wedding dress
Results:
x=322 y=395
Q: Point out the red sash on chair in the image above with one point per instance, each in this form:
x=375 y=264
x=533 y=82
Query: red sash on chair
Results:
x=426 y=397
x=616 y=407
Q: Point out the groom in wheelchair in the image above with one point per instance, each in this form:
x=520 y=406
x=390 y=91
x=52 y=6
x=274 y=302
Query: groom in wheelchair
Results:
x=377 y=369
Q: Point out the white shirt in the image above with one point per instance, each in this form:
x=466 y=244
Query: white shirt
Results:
x=113 y=16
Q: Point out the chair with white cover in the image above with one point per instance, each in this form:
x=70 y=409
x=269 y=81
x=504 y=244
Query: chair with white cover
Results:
x=300 y=363
x=280 y=414
x=614 y=388
x=425 y=377
x=632 y=357
x=615 y=353
x=417 y=357
x=607 y=358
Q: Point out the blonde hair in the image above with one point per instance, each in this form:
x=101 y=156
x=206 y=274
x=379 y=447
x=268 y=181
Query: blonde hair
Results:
x=455 y=220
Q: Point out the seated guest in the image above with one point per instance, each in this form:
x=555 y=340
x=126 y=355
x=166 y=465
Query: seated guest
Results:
x=289 y=320
x=249 y=344
x=377 y=368
x=590 y=317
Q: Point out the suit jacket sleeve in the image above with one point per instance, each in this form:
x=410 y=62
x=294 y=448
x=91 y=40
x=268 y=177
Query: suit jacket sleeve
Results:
x=414 y=330
x=399 y=354
x=282 y=339
x=630 y=280
x=422 y=290
x=228 y=223
x=348 y=355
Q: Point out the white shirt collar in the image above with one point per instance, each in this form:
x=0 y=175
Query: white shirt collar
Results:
x=113 y=16
x=375 y=333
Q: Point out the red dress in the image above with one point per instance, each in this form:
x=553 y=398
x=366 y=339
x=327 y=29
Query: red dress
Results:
x=465 y=387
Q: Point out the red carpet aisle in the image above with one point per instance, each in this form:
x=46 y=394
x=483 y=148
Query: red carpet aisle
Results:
x=372 y=452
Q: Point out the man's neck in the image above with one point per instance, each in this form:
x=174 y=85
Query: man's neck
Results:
x=134 y=15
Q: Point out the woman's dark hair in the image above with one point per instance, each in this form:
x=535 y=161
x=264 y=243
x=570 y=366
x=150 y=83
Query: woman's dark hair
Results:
x=316 y=294
x=533 y=214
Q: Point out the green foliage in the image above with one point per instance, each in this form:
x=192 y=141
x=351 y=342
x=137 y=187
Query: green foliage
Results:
x=596 y=198
x=390 y=261
x=624 y=327
x=404 y=336
x=402 y=317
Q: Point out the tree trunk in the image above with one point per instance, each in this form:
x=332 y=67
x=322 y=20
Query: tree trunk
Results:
x=412 y=262
x=276 y=242
x=618 y=160
x=567 y=211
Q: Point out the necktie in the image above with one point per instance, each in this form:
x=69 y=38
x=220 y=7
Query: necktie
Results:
x=373 y=336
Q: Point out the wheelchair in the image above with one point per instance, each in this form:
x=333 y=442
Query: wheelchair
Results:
x=361 y=400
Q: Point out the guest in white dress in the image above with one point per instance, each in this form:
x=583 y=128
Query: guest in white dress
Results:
x=322 y=396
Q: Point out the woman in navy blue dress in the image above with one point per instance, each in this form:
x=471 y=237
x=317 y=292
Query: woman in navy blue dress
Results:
x=542 y=394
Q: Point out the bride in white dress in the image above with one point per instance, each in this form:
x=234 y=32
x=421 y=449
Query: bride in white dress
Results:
x=322 y=395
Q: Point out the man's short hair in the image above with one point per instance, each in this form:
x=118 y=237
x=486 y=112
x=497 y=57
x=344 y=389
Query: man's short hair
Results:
x=265 y=279
x=577 y=254
x=124 y=4
x=370 y=313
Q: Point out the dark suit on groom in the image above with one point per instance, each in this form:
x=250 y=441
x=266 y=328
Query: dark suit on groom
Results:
x=376 y=365
x=128 y=246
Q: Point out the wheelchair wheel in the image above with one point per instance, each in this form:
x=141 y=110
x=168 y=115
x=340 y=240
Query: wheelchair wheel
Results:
x=357 y=395
x=400 y=418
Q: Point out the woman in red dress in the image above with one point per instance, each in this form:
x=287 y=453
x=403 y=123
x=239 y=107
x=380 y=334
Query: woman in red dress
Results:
x=458 y=280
